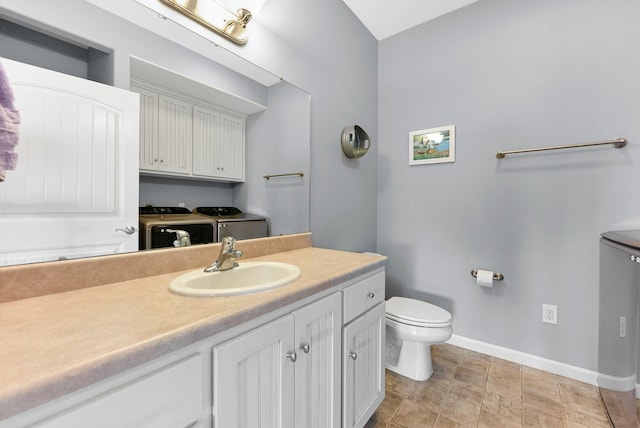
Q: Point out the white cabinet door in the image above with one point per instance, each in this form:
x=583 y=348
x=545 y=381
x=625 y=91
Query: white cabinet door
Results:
x=230 y=151
x=206 y=138
x=254 y=379
x=266 y=379
x=218 y=145
x=148 y=129
x=363 y=367
x=175 y=135
x=76 y=179
x=318 y=368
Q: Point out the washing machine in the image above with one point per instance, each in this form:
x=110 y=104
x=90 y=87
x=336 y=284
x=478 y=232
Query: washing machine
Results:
x=156 y=224
x=231 y=221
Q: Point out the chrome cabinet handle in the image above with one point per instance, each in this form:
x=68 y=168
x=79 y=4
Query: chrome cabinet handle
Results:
x=353 y=355
x=634 y=258
x=292 y=356
x=305 y=347
x=129 y=230
x=371 y=295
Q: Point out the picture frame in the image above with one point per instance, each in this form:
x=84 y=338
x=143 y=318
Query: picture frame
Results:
x=433 y=145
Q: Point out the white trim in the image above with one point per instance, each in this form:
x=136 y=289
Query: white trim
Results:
x=562 y=369
x=588 y=376
x=614 y=383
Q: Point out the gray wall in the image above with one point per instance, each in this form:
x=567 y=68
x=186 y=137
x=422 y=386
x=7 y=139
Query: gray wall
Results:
x=320 y=46
x=283 y=200
x=169 y=192
x=511 y=75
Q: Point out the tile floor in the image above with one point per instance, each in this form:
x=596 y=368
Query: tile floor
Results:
x=469 y=389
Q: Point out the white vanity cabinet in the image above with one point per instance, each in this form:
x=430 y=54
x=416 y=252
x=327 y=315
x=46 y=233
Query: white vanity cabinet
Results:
x=183 y=137
x=315 y=363
x=283 y=374
x=363 y=338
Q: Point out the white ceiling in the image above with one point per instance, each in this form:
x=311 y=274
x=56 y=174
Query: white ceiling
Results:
x=385 y=18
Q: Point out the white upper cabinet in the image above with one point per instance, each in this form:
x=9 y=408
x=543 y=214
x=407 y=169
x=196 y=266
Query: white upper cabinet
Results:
x=218 y=144
x=149 y=157
x=175 y=135
x=183 y=137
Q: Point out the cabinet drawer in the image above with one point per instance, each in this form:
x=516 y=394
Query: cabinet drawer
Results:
x=362 y=296
x=170 y=397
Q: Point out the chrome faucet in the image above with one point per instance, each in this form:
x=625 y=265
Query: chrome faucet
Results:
x=183 y=239
x=227 y=257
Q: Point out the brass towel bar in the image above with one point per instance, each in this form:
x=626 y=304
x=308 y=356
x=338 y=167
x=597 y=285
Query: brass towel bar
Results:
x=301 y=174
x=618 y=143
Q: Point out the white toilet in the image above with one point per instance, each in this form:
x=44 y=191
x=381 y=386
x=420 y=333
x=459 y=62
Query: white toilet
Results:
x=412 y=326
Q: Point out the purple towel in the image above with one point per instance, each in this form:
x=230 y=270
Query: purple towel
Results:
x=9 y=121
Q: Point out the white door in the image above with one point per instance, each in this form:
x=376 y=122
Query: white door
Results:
x=254 y=378
x=317 y=337
x=76 y=180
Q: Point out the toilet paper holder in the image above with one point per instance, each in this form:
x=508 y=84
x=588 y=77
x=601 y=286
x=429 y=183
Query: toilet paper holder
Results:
x=497 y=276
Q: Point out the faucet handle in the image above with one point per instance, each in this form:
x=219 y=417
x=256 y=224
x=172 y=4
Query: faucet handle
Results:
x=228 y=242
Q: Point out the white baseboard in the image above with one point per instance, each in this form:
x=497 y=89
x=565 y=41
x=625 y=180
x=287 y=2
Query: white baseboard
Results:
x=615 y=383
x=562 y=369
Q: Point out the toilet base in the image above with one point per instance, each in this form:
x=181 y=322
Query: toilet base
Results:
x=413 y=360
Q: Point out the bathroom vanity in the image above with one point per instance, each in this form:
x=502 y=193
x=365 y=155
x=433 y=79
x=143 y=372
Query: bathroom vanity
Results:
x=132 y=354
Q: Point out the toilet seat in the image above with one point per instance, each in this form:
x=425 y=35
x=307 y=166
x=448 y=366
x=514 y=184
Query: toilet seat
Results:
x=416 y=313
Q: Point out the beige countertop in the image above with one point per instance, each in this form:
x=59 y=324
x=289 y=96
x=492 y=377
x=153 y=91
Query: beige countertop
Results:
x=55 y=344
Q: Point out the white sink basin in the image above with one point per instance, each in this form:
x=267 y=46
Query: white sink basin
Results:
x=249 y=277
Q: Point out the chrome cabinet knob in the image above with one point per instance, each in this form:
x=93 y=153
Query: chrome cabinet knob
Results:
x=129 y=230
x=292 y=356
x=634 y=258
x=371 y=295
x=353 y=355
x=305 y=347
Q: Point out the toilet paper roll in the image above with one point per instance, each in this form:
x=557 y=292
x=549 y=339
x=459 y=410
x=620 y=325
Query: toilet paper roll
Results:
x=484 y=278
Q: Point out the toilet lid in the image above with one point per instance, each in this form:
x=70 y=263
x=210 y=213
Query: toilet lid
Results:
x=416 y=311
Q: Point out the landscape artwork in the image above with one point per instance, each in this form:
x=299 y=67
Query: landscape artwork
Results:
x=434 y=145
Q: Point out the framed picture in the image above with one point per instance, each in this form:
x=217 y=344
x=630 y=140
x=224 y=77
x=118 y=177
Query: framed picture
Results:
x=435 y=145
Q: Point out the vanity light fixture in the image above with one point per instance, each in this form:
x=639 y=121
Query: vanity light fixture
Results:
x=215 y=17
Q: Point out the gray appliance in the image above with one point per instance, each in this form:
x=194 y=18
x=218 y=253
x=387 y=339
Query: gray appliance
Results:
x=618 y=325
x=231 y=221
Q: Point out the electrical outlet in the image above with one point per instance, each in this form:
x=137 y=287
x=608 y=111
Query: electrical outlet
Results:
x=550 y=314
x=181 y=204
